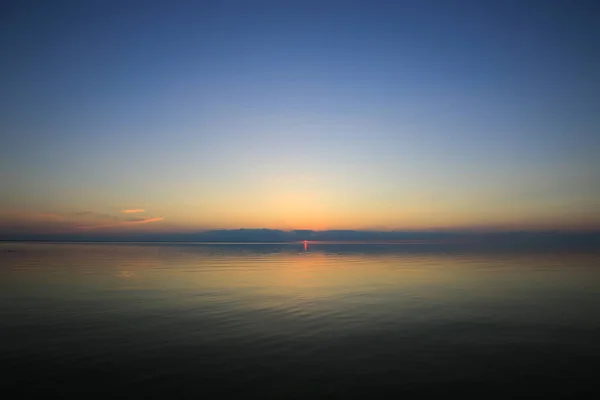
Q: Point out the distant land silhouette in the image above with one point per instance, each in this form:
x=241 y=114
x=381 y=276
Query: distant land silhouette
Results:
x=542 y=238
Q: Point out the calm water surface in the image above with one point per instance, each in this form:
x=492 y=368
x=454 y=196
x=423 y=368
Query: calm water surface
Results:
x=282 y=321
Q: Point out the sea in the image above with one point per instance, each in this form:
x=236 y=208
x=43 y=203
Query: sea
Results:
x=298 y=321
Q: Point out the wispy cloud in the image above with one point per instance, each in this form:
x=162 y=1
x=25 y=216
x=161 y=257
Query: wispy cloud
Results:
x=50 y=216
x=61 y=222
x=121 y=223
x=134 y=210
x=93 y=215
x=144 y=221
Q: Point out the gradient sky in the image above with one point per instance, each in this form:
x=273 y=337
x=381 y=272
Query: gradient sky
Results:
x=299 y=114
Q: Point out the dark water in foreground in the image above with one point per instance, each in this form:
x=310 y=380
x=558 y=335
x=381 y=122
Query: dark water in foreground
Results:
x=332 y=321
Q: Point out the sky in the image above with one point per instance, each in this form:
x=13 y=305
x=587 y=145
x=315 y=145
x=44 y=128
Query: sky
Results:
x=180 y=116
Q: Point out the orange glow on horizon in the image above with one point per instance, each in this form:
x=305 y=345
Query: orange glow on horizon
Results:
x=306 y=214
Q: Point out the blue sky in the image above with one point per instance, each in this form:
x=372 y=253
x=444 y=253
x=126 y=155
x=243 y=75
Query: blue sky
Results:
x=301 y=114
